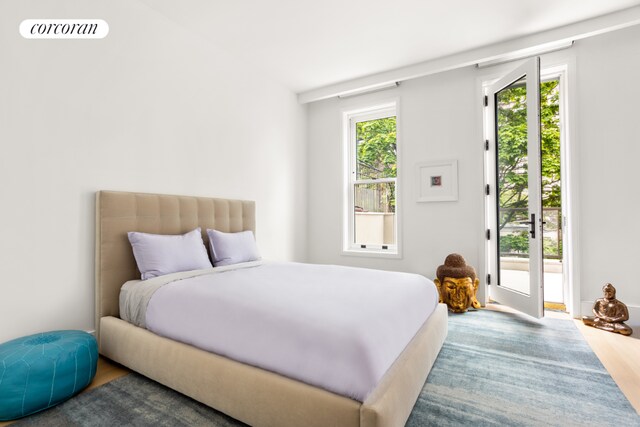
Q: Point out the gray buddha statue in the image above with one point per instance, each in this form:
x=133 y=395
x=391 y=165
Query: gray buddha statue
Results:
x=609 y=313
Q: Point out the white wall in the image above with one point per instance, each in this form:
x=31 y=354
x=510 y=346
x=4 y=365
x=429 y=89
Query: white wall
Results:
x=437 y=120
x=439 y=116
x=608 y=67
x=151 y=108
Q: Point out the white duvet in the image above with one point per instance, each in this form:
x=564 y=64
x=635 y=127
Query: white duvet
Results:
x=339 y=328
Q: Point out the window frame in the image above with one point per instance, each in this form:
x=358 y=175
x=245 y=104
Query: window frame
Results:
x=350 y=118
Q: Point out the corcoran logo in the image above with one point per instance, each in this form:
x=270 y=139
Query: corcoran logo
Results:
x=64 y=29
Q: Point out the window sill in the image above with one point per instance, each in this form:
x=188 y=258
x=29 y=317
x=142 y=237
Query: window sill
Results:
x=372 y=253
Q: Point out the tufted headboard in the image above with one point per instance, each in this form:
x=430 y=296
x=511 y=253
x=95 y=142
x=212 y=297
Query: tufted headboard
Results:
x=119 y=212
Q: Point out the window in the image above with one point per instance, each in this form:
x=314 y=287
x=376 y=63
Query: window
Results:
x=371 y=178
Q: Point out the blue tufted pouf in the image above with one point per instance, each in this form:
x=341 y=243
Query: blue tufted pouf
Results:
x=42 y=370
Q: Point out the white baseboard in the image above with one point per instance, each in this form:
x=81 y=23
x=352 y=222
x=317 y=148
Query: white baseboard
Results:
x=634 y=311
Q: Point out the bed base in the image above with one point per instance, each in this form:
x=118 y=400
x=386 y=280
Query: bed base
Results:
x=264 y=399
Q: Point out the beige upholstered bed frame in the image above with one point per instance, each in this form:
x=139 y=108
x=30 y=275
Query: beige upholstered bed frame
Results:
x=249 y=394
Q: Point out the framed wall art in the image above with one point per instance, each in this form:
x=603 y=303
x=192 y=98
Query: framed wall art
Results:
x=437 y=181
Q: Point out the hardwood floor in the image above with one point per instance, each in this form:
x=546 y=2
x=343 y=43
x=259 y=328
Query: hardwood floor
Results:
x=618 y=354
x=107 y=371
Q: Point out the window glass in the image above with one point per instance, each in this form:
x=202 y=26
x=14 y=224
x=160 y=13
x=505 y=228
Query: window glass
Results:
x=372 y=221
x=376 y=148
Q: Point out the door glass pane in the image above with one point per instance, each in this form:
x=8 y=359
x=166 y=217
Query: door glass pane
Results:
x=512 y=184
x=374 y=213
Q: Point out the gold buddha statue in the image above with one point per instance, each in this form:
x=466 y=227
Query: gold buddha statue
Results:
x=457 y=284
x=610 y=314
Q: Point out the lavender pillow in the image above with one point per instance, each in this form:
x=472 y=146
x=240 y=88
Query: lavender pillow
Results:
x=160 y=254
x=232 y=248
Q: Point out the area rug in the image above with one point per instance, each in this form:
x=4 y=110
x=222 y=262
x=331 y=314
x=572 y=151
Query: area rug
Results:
x=495 y=369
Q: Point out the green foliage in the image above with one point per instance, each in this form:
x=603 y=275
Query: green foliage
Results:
x=550 y=143
x=512 y=148
x=517 y=243
x=377 y=157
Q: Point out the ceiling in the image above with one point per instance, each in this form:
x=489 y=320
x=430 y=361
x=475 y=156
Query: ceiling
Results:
x=308 y=44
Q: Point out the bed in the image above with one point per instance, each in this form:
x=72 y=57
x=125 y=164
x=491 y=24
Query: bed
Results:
x=255 y=396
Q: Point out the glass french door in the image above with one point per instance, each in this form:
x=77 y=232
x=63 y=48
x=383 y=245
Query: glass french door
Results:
x=515 y=237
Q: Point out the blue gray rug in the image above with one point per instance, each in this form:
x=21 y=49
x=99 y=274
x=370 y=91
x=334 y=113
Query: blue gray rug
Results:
x=495 y=369
x=503 y=369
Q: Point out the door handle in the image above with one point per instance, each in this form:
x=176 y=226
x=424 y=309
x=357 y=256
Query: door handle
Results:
x=532 y=225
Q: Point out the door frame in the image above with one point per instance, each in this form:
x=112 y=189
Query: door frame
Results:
x=562 y=64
